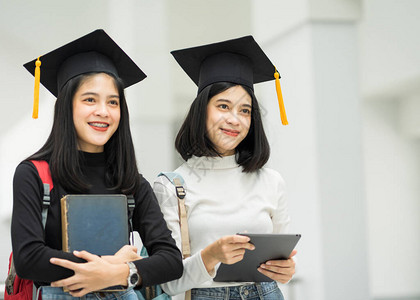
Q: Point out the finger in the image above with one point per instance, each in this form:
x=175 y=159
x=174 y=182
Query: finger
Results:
x=138 y=257
x=284 y=263
x=133 y=248
x=85 y=255
x=64 y=263
x=236 y=249
x=79 y=293
x=75 y=287
x=275 y=276
x=237 y=253
x=248 y=246
x=240 y=246
x=278 y=270
x=234 y=259
x=293 y=253
x=128 y=248
x=63 y=282
x=239 y=238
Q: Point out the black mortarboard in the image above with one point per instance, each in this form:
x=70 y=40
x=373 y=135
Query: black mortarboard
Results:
x=240 y=61
x=94 y=52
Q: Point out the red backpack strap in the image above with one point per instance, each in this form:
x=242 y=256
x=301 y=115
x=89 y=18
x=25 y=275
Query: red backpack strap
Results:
x=44 y=172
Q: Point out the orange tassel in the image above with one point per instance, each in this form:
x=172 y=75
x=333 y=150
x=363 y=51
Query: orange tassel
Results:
x=36 y=88
x=280 y=99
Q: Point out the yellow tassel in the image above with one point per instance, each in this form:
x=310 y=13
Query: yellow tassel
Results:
x=36 y=88
x=280 y=99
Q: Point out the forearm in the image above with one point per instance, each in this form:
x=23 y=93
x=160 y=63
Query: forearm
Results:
x=36 y=265
x=160 y=267
x=194 y=275
x=209 y=260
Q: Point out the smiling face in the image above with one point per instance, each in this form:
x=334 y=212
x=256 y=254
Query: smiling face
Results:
x=96 y=112
x=228 y=119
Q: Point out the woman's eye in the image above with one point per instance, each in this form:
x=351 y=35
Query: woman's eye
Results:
x=246 y=111
x=114 y=102
x=89 y=100
x=223 y=106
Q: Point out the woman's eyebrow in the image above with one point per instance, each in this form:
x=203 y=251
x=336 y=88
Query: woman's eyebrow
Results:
x=223 y=100
x=246 y=105
x=96 y=94
x=89 y=93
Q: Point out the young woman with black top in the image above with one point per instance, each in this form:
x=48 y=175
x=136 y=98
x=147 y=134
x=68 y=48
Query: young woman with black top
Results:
x=89 y=151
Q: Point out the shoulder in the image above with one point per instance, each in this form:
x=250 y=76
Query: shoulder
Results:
x=162 y=180
x=271 y=176
x=143 y=183
x=144 y=189
x=164 y=189
x=26 y=169
x=26 y=179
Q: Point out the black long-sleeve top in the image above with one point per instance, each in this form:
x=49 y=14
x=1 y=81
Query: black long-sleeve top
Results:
x=32 y=249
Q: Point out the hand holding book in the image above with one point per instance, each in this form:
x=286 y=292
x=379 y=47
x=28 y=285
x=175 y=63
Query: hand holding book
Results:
x=95 y=228
x=94 y=275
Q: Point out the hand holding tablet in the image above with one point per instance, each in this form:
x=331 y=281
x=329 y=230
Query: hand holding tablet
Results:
x=281 y=270
x=268 y=247
x=227 y=250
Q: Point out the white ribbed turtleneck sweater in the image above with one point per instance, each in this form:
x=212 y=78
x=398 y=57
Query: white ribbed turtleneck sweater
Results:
x=221 y=200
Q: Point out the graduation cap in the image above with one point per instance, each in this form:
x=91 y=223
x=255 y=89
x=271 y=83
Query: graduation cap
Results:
x=94 y=52
x=240 y=61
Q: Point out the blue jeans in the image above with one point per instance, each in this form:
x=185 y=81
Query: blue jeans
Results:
x=260 y=291
x=54 y=293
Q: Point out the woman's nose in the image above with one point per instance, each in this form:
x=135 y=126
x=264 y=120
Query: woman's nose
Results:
x=102 y=110
x=232 y=118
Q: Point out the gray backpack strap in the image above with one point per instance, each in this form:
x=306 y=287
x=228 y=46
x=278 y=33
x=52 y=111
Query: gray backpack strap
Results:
x=131 y=204
x=46 y=201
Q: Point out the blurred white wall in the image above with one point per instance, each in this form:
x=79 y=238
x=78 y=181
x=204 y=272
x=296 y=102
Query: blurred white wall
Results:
x=350 y=156
x=389 y=44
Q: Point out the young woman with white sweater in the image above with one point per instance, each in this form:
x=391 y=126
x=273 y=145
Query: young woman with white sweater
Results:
x=228 y=189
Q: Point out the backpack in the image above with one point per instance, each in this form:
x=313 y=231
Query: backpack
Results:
x=17 y=288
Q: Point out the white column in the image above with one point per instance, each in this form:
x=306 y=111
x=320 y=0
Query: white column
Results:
x=314 y=47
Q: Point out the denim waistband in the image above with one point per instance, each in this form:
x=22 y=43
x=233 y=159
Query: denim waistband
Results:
x=262 y=290
x=54 y=293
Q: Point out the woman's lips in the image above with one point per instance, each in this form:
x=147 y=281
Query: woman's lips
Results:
x=230 y=132
x=99 y=126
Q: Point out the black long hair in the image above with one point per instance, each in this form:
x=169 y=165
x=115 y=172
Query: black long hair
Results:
x=61 y=150
x=192 y=139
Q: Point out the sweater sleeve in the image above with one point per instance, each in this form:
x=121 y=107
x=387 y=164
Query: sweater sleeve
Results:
x=195 y=272
x=165 y=261
x=280 y=215
x=31 y=254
